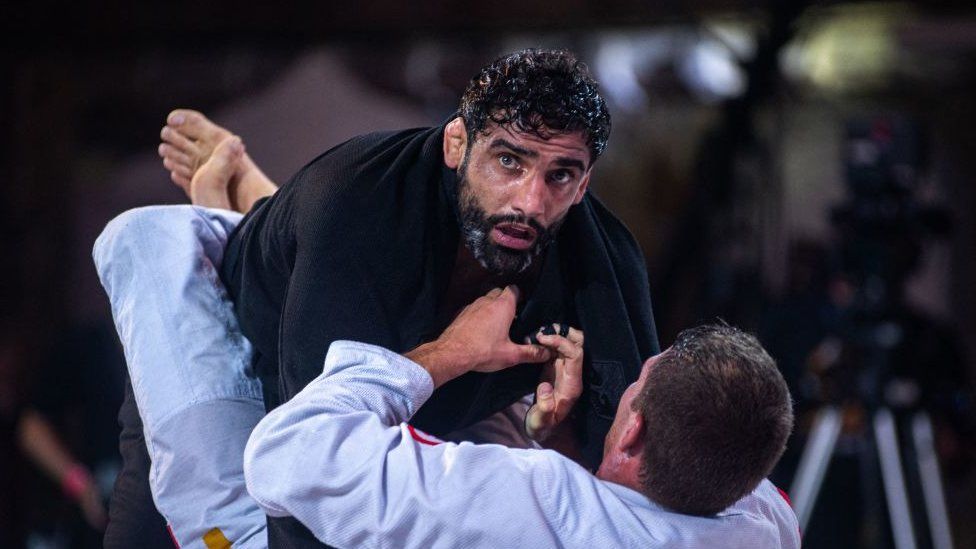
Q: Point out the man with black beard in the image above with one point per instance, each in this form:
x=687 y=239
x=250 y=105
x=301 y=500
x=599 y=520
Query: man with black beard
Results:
x=385 y=238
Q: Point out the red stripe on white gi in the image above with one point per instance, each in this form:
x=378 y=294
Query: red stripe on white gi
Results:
x=422 y=437
x=785 y=496
x=172 y=536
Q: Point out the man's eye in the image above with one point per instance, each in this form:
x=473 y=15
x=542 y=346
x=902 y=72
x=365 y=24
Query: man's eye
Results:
x=507 y=161
x=561 y=176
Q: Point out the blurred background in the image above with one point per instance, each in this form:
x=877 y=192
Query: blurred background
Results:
x=804 y=170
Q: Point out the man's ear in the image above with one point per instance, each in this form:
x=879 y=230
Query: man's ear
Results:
x=582 y=188
x=455 y=143
x=632 y=439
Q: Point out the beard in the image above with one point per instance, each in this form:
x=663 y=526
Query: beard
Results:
x=476 y=227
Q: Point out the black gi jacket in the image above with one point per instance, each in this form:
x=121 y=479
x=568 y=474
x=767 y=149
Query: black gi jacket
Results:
x=360 y=245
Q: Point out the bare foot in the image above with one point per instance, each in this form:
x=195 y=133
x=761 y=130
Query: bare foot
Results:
x=208 y=187
x=189 y=138
x=189 y=141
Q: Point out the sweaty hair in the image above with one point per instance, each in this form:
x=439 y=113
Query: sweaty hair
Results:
x=717 y=414
x=544 y=92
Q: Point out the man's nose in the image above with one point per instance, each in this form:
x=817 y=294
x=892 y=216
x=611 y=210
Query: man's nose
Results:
x=530 y=199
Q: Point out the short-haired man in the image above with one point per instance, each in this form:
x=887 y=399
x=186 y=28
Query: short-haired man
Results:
x=683 y=464
x=385 y=238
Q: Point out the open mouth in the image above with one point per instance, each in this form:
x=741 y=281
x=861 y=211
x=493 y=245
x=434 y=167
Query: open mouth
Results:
x=514 y=235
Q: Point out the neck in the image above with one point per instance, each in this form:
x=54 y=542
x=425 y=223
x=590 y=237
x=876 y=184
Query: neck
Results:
x=469 y=280
x=622 y=470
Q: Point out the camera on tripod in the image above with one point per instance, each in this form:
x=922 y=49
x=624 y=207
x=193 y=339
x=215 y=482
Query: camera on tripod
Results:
x=882 y=225
x=881 y=229
x=876 y=367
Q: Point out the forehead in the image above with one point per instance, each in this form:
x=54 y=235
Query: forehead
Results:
x=571 y=144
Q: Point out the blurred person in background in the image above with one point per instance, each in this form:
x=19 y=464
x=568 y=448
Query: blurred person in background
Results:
x=69 y=431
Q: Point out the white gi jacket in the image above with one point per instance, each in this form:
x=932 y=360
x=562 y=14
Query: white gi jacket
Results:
x=188 y=364
x=340 y=458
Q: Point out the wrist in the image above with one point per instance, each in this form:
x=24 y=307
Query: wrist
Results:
x=440 y=360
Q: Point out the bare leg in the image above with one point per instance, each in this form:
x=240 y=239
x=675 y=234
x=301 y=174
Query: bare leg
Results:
x=189 y=141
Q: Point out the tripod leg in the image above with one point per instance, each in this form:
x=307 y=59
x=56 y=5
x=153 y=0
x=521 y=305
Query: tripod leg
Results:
x=928 y=470
x=896 y=492
x=813 y=463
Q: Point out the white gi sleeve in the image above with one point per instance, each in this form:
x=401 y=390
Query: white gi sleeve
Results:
x=337 y=458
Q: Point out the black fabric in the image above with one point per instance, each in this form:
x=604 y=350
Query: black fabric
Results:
x=360 y=245
x=133 y=520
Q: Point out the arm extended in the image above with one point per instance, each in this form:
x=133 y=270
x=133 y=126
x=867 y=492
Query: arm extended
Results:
x=339 y=459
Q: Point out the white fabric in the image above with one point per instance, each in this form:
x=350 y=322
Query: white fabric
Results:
x=340 y=459
x=189 y=366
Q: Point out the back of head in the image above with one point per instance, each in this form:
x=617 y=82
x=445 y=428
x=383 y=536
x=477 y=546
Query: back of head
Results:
x=717 y=414
x=544 y=92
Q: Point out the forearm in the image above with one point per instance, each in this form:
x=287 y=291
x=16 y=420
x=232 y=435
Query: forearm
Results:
x=334 y=458
x=44 y=446
x=335 y=434
x=442 y=362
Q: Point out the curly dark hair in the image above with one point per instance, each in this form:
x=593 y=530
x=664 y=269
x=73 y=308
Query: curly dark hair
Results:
x=718 y=414
x=545 y=92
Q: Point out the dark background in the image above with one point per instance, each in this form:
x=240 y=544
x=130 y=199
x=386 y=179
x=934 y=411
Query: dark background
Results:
x=726 y=157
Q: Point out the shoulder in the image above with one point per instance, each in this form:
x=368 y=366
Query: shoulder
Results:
x=366 y=153
x=770 y=507
x=363 y=174
x=774 y=497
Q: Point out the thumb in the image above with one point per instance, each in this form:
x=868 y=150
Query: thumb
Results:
x=530 y=354
x=513 y=291
x=538 y=419
x=544 y=398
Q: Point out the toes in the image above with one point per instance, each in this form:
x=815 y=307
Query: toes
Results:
x=189 y=117
x=196 y=126
x=170 y=152
x=178 y=140
x=180 y=180
x=179 y=169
